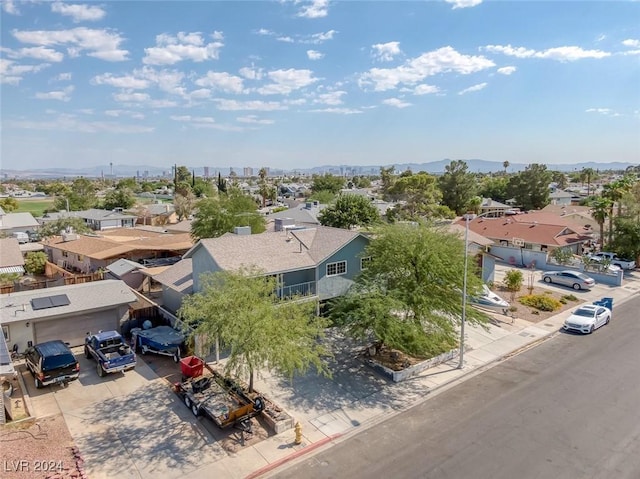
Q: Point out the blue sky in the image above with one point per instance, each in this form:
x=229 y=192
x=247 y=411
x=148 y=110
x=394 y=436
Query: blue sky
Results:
x=296 y=84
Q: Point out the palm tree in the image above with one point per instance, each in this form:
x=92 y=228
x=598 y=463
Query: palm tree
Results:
x=587 y=175
x=505 y=165
x=614 y=191
x=600 y=209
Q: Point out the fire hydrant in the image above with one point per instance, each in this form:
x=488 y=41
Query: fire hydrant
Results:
x=298 y=430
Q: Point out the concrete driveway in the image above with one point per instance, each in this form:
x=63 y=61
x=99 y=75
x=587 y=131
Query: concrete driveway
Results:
x=127 y=425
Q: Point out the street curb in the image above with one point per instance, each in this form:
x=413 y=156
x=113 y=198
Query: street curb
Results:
x=292 y=456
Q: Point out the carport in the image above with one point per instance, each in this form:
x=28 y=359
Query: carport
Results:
x=64 y=312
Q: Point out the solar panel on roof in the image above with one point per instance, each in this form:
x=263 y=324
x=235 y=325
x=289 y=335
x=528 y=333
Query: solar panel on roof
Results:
x=50 y=302
x=5 y=357
x=59 y=300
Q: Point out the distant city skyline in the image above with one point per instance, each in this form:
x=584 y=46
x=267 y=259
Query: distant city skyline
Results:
x=299 y=84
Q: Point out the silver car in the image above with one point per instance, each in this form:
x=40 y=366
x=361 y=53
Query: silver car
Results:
x=572 y=279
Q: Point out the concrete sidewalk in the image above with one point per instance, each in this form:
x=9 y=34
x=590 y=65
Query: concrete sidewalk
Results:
x=356 y=397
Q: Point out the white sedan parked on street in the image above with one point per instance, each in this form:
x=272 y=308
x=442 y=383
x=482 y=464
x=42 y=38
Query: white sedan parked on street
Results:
x=587 y=318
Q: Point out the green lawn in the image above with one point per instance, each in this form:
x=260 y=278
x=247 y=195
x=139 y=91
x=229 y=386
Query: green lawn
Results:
x=35 y=207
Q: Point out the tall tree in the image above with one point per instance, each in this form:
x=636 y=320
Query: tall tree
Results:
x=349 y=211
x=327 y=182
x=182 y=181
x=118 y=198
x=615 y=191
x=560 y=179
x=530 y=187
x=410 y=294
x=9 y=204
x=222 y=184
x=588 y=175
x=420 y=194
x=263 y=185
x=505 y=165
x=494 y=187
x=219 y=215
x=457 y=185
x=260 y=331
x=81 y=196
x=600 y=209
x=184 y=204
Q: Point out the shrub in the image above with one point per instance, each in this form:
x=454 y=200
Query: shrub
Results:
x=570 y=297
x=541 y=302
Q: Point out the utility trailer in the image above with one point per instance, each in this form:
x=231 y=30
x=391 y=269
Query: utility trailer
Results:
x=162 y=340
x=211 y=394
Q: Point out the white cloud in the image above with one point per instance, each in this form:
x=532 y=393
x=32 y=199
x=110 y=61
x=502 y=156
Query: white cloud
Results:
x=396 y=102
x=317 y=38
x=340 y=111
x=317 y=9
x=185 y=46
x=443 y=60
x=9 y=7
x=39 y=53
x=464 y=3
x=286 y=81
x=60 y=95
x=79 y=12
x=253 y=119
x=70 y=123
x=193 y=119
x=258 y=105
x=332 y=98
x=12 y=73
x=506 y=70
x=285 y=39
x=251 y=73
x=478 y=87
x=561 y=54
x=603 y=111
x=126 y=81
x=385 y=52
x=100 y=44
x=62 y=77
x=425 y=89
x=199 y=94
x=264 y=32
x=129 y=97
x=122 y=113
x=630 y=42
x=314 y=55
x=221 y=81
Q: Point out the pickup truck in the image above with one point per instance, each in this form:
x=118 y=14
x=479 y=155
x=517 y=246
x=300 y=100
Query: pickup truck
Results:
x=110 y=351
x=613 y=259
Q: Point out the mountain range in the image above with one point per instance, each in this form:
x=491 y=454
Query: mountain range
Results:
x=435 y=167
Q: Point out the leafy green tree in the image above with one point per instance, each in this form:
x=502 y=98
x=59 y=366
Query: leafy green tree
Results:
x=327 y=182
x=203 y=188
x=260 y=331
x=494 y=187
x=615 y=191
x=128 y=184
x=349 y=211
x=420 y=193
x=530 y=187
x=387 y=179
x=513 y=280
x=266 y=190
x=222 y=184
x=184 y=204
x=457 y=185
x=7 y=279
x=118 y=198
x=53 y=228
x=9 y=204
x=35 y=261
x=505 y=165
x=324 y=197
x=81 y=196
x=182 y=181
x=560 y=179
x=562 y=255
x=409 y=297
x=221 y=214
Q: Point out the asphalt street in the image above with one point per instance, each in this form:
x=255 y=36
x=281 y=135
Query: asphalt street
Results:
x=567 y=408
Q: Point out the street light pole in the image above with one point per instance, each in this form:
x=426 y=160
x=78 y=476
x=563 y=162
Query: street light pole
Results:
x=464 y=290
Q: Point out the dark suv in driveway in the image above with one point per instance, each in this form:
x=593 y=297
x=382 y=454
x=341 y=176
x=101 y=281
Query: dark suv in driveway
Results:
x=51 y=362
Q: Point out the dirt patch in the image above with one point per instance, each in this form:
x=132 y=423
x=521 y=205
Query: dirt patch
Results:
x=39 y=448
x=531 y=314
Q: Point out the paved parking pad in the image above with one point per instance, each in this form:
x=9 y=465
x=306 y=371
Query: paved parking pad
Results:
x=146 y=433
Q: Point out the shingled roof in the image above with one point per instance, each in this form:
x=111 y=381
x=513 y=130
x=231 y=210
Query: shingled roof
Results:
x=276 y=252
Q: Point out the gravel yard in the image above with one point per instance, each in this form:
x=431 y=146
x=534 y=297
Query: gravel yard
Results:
x=38 y=449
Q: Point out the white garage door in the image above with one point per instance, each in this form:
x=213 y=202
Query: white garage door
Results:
x=74 y=329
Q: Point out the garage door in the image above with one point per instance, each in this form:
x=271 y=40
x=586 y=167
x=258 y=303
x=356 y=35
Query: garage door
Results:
x=74 y=329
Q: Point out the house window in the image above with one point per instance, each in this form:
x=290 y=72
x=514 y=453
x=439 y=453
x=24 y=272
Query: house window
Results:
x=5 y=332
x=65 y=254
x=80 y=257
x=364 y=263
x=335 y=269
